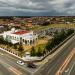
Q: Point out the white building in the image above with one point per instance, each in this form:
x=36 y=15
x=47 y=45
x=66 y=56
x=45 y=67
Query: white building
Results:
x=20 y=36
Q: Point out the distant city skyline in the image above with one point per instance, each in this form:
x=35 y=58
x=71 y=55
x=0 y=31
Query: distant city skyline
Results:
x=37 y=7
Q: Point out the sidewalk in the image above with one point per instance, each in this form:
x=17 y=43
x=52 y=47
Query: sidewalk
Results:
x=10 y=53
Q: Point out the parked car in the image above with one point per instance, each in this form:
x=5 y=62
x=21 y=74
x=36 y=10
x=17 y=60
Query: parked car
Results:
x=20 y=62
x=31 y=65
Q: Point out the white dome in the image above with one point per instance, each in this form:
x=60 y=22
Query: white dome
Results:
x=13 y=29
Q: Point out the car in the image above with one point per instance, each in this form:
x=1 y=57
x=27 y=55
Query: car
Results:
x=20 y=62
x=31 y=65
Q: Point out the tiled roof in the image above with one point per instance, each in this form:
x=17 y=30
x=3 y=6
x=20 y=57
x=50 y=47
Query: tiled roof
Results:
x=21 y=32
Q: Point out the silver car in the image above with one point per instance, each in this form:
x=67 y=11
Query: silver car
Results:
x=20 y=62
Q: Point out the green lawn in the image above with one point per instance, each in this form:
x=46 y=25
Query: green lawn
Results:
x=63 y=25
x=53 y=26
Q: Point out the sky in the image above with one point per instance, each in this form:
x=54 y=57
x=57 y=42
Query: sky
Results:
x=37 y=7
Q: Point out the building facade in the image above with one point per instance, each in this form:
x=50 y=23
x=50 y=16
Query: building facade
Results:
x=20 y=36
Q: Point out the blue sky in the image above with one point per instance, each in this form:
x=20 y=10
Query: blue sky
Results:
x=37 y=7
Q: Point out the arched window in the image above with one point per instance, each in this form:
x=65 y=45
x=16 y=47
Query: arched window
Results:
x=25 y=41
x=31 y=42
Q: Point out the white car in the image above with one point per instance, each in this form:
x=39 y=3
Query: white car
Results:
x=20 y=62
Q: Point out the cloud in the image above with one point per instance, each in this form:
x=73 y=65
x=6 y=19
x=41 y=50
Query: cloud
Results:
x=37 y=7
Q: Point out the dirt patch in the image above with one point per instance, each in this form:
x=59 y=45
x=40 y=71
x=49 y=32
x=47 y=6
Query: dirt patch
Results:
x=40 y=41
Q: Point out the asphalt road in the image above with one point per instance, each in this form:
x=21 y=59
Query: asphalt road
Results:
x=52 y=66
x=70 y=69
x=9 y=66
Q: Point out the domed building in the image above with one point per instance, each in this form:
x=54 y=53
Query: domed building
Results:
x=20 y=36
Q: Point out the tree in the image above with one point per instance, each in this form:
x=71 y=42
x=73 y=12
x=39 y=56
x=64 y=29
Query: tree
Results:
x=70 y=31
x=62 y=35
x=21 y=50
x=48 y=47
x=68 y=19
x=44 y=51
x=1 y=40
x=39 y=52
x=45 y=23
x=56 y=32
x=15 y=46
x=33 y=52
x=50 y=44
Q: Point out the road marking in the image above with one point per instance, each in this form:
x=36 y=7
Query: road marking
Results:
x=71 y=69
x=17 y=72
x=65 y=63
